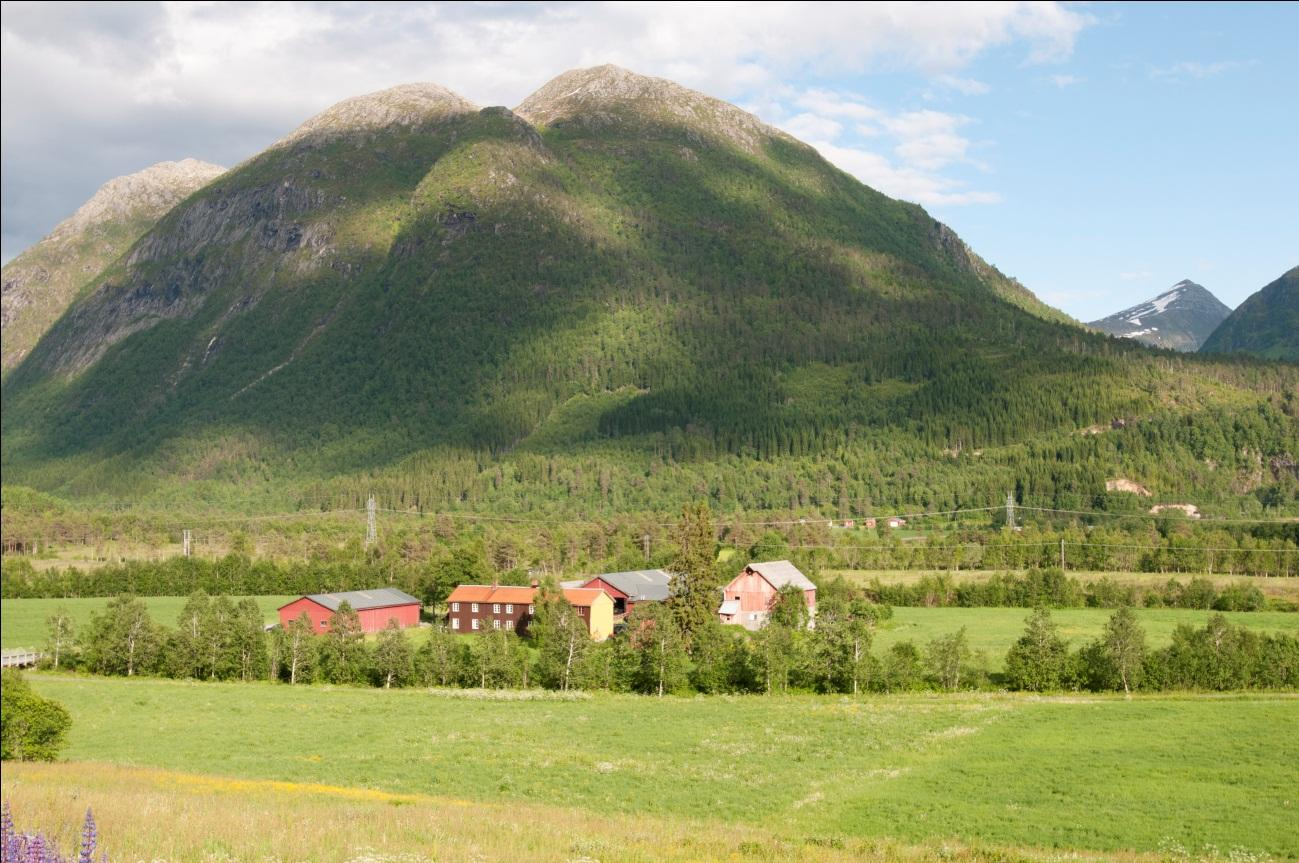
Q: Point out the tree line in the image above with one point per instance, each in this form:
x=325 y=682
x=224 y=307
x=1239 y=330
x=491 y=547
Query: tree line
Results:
x=662 y=652
x=1051 y=587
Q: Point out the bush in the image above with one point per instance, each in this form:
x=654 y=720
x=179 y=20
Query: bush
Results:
x=32 y=728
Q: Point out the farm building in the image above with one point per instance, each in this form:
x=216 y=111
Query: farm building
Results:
x=374 y=607
x=747 y=601
x=628 y=588
x=473 y=607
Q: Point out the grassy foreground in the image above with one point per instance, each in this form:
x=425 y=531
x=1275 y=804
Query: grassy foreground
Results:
x=164 y=816
x=1097 y=774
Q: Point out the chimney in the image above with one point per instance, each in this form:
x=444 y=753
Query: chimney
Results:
x=535 y=583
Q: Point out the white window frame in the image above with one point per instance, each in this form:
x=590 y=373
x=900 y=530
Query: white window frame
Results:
x=474 y=623
x=509 y=624
x=455 y=623
x=455 y=606
x=496 y=608
x=496 y=624
x=531 y=609
x=473 y=607
x=509 y=608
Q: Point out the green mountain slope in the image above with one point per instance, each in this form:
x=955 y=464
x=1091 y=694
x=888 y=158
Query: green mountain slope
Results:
x=40 y=283
x=1265 y=325
x=623 y=294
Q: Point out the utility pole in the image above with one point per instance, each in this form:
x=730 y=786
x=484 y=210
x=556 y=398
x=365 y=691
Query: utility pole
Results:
x=371 y=522
x=1062 y=554
x=185 y=542
x=645 y=544
x=1010 y=510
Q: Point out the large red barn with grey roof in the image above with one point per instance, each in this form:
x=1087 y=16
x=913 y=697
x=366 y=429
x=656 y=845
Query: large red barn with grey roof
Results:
x=374 y=607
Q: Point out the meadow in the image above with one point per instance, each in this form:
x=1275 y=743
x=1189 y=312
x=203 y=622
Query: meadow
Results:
x=22 y=621
x=994 y=630
x=1272 y=587
x=800 y=777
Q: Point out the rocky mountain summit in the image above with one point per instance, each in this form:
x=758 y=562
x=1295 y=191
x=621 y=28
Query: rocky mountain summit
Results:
x=40 y=283
x=408 y=105
x=1180 y=318
x=610 y=95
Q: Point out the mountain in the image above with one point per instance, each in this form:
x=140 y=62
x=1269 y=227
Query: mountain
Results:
x=620 y=295
x=1180 y=318
x=1265 y=325
x=40 y=283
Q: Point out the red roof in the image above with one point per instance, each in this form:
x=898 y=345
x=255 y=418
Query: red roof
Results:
x=489 y=593
x=582 y=595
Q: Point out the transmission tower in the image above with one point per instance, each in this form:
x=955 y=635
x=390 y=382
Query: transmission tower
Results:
x=371 y=522
x=1010 y=510
x=185 y=542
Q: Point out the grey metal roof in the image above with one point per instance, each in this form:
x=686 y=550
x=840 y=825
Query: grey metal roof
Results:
x=640 y=585
x=730 y=606
x=780 y=573
x=380 y=597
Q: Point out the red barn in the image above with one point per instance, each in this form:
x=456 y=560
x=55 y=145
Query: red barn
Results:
x=374 y=607
x=628 y=588
x=747 y=601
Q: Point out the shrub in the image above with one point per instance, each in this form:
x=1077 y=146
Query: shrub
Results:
x=32 y=728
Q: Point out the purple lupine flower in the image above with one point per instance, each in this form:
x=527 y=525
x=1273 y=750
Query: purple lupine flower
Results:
x=8 y=841
x=88 y=839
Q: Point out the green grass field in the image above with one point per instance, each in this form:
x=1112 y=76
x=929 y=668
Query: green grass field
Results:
x=1099 y=774
x=1286 y=588
x=994 y=630
x=22 y=621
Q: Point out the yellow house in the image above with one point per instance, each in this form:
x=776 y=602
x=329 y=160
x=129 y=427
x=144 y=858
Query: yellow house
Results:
x=595 y=608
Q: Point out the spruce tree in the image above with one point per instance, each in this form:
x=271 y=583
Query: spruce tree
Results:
x=697 y=586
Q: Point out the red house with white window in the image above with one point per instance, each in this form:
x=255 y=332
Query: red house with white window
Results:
x=374 y=607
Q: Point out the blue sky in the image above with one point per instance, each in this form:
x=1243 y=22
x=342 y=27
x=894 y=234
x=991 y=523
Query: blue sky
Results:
x=1099 y=153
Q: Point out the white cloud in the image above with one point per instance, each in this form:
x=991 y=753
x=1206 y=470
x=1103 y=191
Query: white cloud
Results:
x=1195 y=70
x=1063 y=81
x=92 y=91
x=812 y=126
x=902 y=181
x=967 y=86
x=922 y=143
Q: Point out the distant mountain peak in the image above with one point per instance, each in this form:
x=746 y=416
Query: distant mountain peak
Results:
x=1181 y=317
x=403 y=105
x=40 y=283
x=603 y=96
x=157 y=186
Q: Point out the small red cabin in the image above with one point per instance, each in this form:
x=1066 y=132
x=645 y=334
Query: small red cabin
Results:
x=374 y=607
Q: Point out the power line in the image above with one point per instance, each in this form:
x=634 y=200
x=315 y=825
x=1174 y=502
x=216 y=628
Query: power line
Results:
x=1156 y=515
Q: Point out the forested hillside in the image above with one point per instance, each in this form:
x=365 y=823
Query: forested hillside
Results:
x=1265 y=325
x=621 y=295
